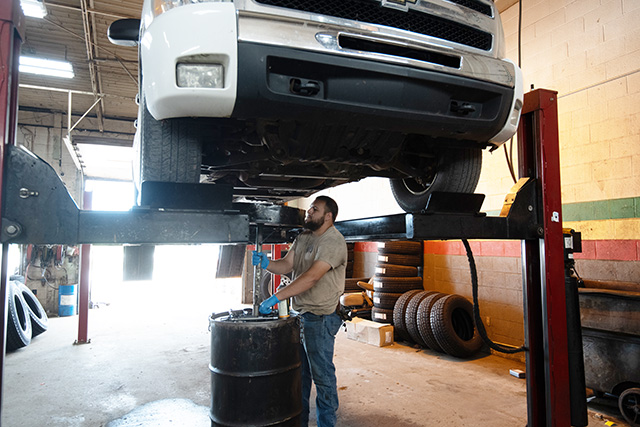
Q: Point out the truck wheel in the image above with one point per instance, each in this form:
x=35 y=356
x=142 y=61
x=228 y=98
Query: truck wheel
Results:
x=170 y=150
x=457 y=171
x=629 y=404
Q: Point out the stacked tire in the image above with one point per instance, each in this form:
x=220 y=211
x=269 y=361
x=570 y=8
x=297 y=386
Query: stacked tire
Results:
x=398 y=270
x=26 y=317
x=441 y=322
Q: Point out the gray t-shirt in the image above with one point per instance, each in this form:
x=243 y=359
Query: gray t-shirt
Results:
x=331 y=248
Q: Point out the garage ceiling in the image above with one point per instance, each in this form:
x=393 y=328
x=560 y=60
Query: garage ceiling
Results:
x=105 y=75
x=76 y=31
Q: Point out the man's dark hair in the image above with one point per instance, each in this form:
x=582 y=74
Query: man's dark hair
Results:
x=330 y=205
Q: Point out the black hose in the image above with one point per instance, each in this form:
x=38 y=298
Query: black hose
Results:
x=476 y=308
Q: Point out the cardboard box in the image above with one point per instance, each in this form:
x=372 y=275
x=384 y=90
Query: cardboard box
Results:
x=373 y=333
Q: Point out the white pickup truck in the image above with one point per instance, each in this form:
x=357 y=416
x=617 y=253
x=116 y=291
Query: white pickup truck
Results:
x=282 y=98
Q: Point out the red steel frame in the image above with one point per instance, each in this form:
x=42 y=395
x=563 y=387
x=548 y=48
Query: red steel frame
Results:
x=83 y=294
x=548 y=391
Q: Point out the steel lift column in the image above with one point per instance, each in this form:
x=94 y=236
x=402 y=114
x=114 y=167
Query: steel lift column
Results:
x=532 y=214
x=548 y=384
x=11 y=35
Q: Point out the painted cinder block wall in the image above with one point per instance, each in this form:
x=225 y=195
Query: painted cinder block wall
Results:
x=587 y=51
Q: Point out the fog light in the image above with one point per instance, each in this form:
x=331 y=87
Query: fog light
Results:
x=200 y=75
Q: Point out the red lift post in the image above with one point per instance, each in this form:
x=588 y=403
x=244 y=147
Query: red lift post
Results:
x=84 y=285
x=11 y=36
x=548 y=391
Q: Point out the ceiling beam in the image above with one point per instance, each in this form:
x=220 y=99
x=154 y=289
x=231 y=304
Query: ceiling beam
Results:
x=90 y=41
x=78 y=92
x=91 y=10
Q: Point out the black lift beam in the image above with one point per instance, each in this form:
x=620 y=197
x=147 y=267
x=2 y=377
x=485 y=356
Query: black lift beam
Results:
x=38 y=209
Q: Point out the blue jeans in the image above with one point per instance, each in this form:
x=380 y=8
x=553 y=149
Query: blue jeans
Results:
x=318 y=338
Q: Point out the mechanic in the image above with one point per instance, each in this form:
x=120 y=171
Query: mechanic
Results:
x=318 y=258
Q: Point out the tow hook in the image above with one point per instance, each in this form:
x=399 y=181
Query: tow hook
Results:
x=304 y=87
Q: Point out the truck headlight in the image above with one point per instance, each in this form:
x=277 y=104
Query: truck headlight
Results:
x=161 y=6
x=200 y=75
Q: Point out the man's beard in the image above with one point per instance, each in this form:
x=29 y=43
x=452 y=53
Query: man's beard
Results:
x=313 y=225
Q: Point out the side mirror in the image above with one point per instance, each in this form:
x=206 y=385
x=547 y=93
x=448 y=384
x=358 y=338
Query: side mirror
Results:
x=124 y=32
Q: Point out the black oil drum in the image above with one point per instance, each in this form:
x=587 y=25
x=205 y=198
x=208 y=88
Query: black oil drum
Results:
x=255 y=371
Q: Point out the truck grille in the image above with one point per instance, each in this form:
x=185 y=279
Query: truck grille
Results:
x=483 y=8
x=373 y=12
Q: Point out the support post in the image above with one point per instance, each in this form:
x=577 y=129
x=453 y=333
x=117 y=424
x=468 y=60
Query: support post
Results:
x=11 y=36
x=548 y=391
x=85 y=283
x=276 y=253
x=257 y=274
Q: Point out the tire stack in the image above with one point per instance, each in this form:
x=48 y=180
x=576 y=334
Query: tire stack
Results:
x=397 y=271
x=441 y=322
x=26 y=317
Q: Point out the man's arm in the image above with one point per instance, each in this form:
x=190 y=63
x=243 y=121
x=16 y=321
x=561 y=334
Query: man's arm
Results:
x=282 y=265
x=305 y=281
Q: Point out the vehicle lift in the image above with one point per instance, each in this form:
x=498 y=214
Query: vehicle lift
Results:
x=532 y=214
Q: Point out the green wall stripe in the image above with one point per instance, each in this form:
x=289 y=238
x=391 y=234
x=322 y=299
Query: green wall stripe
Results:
x=599 y=210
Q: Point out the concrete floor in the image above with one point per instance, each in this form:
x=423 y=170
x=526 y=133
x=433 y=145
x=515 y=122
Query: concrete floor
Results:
x=152 y=344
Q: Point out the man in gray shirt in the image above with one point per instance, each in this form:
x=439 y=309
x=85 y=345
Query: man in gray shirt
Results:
x=318 y=258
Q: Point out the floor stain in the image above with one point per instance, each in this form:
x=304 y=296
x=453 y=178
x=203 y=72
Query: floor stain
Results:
x=165 y=413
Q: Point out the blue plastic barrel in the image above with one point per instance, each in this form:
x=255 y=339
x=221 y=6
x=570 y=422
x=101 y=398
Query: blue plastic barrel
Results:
x=67 y=300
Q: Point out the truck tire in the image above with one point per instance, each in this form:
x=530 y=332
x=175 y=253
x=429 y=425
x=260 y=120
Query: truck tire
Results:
x=411 y=317
x=39 y=319
x=629 y=402
x=390 y=270
x=407 y=247
x=265 y=283
x=456 y=171
x=453 y=326
x=18 y=320
x=400 y=259
x=396 y=284
x=382 y=315
x=385 y=299
x=423 y=321
x=170 y=150
x=399 y=310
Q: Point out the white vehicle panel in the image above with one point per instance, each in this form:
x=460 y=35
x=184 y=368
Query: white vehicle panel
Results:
x=511 y=126
x=212 y=36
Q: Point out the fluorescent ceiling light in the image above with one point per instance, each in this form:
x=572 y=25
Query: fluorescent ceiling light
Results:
x=34 y=8
x=46 y=67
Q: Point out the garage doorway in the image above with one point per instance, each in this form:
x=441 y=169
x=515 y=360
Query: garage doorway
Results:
x=177 y=269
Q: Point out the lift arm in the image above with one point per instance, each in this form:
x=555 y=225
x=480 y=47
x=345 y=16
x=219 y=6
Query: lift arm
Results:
x=38 y=209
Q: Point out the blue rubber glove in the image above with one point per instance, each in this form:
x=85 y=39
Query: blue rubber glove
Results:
x=265 y=307
x=260 y=258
